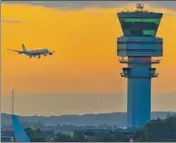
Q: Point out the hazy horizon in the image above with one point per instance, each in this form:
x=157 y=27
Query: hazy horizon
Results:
x=57 y=104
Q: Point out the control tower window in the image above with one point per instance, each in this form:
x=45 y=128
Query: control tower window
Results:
x=139 y=26
x=146 y=20
x=148 y=32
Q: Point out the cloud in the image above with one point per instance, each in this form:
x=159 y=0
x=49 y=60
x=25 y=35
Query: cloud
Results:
x=96 y=4
x=10 y=21
x=72 y=4
x=164 y=4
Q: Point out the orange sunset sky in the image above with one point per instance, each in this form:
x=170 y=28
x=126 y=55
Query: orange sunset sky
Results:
x=83 y=76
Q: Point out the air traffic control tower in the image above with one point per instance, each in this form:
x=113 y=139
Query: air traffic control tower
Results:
x=137 y=46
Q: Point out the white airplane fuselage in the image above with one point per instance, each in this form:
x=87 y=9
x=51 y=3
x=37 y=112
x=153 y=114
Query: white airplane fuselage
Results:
x=44 y=52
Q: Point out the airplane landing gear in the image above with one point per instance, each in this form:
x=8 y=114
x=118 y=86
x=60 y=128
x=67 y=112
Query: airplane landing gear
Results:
x=30 y=57
x=38 y=57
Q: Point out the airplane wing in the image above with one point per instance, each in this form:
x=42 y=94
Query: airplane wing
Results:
x=16 y=51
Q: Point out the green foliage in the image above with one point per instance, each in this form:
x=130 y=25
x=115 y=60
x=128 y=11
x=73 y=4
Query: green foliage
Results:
x=155 y=131
x=158 y=131
x=63 y=138
x=79 y=136
x=35 y=135
x=104 y=136
x=107 y=136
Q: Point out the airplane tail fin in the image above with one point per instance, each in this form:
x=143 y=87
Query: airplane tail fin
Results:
x=24 y=48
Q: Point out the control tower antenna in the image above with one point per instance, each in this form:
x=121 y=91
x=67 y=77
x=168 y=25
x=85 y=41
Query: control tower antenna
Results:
x=139 y=7
x=126 y=5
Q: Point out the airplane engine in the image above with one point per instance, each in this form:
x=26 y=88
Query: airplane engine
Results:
x=51 y=53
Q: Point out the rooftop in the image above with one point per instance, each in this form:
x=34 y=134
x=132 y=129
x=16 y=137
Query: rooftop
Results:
x=140 y=12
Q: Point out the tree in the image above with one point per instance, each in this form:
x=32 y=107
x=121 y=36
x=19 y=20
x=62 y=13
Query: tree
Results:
x=63 y=138
x=158 y=131
x=35 y=135
x=79 y=137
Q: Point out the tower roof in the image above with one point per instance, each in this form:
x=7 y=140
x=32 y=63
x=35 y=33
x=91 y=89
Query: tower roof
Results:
x=139 y=14
x=139 y=22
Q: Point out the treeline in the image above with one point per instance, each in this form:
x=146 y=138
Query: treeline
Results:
x=158 y=131
x=105 y=136
x=155 y=131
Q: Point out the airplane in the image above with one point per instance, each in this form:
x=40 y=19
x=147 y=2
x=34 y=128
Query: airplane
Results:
x=33 y=53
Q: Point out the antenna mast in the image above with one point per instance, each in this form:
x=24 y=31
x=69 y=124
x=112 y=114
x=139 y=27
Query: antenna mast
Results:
x=139 y=7
x=12 y=101
x=126 y=5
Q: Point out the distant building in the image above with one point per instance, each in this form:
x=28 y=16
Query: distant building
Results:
x=7 y=136
x=66 y=132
